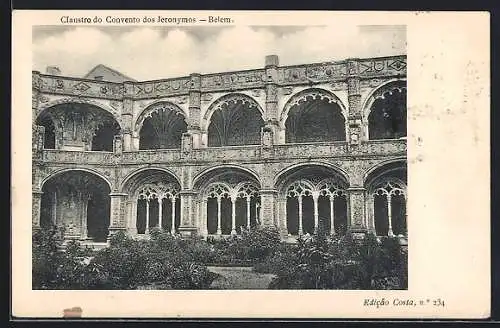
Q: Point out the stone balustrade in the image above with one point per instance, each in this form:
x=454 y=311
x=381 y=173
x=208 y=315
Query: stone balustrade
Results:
x=236 y=153
x=336 y=72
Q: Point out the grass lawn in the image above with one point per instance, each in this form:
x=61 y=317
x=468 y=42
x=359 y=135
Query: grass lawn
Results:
x=239 y=278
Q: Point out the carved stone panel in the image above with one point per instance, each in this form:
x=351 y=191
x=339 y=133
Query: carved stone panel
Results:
x=357 y=208
x=384 y=66
x=162 y=88
x=233 y=80
x=80 y=87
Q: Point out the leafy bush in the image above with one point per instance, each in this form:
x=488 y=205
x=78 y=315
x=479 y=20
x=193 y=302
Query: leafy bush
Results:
x=251 y=246
x=171 y=262
x=163 y=261
x=53 y=268
x=341 y=263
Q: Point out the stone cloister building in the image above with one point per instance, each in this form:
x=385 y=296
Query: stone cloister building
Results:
x=290 y=146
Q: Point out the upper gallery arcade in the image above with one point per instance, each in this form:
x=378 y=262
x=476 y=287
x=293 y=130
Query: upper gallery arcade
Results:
x=290 y=146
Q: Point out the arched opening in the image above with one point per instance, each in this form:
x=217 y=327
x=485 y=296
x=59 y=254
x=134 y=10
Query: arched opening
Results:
x=154 y=201
x=79 y=202
x=387 y=197
x=313 y=199
x=235 y=122
x=387 y=118
x=46 y=121
x=230 y=201
x=77 y=126
x=162 y=128
x=314 y=119
x=104 y=136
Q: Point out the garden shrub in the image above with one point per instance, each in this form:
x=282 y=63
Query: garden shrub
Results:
x=53 y=268
x=324 y=262
x=164 y=261
x=171 y=262
x=250 y=247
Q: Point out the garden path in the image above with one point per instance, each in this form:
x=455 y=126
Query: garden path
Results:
x=239 y=278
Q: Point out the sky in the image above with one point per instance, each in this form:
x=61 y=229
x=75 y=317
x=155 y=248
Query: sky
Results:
x=149 y=53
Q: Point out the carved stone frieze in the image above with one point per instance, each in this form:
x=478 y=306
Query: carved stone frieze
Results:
x=234 y=80
x=162 y=88
x=384 y=66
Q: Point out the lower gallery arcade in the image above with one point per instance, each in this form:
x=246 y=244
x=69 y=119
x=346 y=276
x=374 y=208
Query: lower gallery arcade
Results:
x=224 y=201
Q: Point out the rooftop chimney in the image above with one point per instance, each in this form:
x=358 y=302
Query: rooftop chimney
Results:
x=272 y=60
x=53 y=70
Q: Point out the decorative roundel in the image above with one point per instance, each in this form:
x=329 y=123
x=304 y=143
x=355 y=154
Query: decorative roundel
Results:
x=218 y=190
x=299 y=188
x=330 y=189
x=247 y=190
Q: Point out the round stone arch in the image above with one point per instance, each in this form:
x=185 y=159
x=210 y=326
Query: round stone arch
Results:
x=78 y=100
x=278 y=179
x=167 y=122
x=134 y=173
x=302 y=204
x=222 y=211
x=384 y=167
x=386 y=214
x=78 y=169
x=322 y=97
x=152 y=200
x=78 y=199
x=97 y=133
x=196 y=180
x=153 y=107
x=225 y=100
x=399 y=84
x=301 y=96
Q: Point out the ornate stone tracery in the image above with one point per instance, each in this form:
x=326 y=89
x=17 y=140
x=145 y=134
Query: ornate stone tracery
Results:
x=268 y=182
x=390 y=187
x=156 y=108
x=226 y=101
x=218 y=190
x=159 y=191
x=387 y=203
x=299 y=191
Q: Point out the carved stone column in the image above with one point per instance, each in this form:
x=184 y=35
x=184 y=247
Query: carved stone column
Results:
x=127 y=116
x=267 y=142
x=118 y=144
x=315 y=195
x=187 y=226
x=36 y=210
x=354 y=99
x=268 y=207
x=38 y=138
x=272 y=112
x=357 y=222
x=35 y=87
x=117 y=219
x=233 y=214
x=194 y=119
